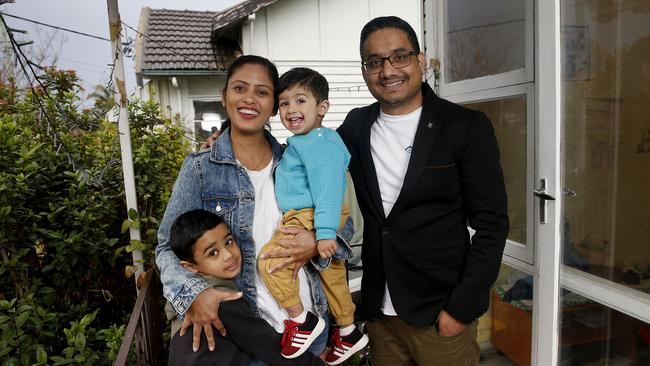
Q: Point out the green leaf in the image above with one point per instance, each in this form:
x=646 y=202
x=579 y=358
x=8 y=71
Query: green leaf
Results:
x=25 y=359
x=41 y=355
x=88 y=318
x=125 y=226
x=133 y=214
x=5 y=350
x=21 y=319
x=135 y=245
x=80 y=341
x=61 y=361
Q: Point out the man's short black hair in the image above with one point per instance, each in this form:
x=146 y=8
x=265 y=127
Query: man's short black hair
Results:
x=307 y=78
x=188 y=228
x=388 y=22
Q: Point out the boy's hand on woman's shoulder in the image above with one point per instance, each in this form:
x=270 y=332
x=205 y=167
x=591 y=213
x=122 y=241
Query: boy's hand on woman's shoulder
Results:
x=208 y=142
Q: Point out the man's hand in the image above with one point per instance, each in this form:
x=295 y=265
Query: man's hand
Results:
x=448 y=326
x=326 y=248
x=203 y=313
x=298 y=248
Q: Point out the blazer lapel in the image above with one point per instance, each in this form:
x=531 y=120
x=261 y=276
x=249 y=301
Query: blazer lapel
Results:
x=369 y=169
x=425 y=138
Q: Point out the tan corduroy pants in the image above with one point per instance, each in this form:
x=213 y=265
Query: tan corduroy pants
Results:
x=285 y=289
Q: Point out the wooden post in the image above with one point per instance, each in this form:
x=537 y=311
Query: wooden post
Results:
x=115 y=27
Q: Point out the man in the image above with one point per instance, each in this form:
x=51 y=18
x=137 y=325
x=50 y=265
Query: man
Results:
x=423 y=169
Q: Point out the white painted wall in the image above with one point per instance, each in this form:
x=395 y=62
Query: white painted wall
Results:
x=323 y=35
x=320 y=29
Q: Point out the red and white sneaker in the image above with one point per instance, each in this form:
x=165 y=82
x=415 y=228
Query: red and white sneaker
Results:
x=298 y=337
x=342 y=347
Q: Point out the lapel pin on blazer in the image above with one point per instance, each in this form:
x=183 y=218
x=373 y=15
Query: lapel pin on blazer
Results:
x=430 y=125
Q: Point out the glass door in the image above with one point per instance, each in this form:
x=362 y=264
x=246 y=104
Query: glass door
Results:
x=486 y=56
x=605 y=79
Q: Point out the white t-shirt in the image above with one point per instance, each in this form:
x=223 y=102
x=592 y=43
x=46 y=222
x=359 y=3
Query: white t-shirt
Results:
x=266 y=219
x=391 y=144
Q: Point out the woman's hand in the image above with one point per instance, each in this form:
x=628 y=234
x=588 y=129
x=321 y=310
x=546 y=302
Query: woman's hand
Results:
x=298 y=249
x=203 y=313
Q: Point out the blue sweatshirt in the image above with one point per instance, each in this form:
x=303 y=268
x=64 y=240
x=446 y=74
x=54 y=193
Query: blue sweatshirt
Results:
x=311 y=174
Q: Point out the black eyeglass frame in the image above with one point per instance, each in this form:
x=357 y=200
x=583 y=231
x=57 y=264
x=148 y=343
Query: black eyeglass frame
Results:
x=364 y=63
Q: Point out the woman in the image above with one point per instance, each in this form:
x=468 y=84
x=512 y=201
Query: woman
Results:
x=234 y=179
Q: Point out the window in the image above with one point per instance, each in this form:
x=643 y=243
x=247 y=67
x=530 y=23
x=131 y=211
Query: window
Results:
x=208 y=116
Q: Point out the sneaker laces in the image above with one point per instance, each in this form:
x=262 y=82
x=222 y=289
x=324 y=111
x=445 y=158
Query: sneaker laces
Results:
x=290 y=329
x=335 y=340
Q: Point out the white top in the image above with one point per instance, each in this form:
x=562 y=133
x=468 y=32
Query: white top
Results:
x=266 y=218
x=391 y=143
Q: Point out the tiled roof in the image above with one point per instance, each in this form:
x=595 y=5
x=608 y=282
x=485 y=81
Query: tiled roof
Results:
x=239 y=12
x=178 y=40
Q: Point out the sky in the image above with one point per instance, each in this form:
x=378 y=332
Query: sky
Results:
x=88 y=56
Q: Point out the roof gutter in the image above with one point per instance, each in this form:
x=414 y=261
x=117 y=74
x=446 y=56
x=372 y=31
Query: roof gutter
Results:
x=182 y=72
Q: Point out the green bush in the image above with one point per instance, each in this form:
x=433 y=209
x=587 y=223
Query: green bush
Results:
x=64 y=296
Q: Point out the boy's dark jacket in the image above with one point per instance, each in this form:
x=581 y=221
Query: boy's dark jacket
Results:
x=221 y=284
x=423 y=248
x=247 y=337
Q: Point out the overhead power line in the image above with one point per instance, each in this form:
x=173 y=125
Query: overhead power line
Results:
x=55 y=27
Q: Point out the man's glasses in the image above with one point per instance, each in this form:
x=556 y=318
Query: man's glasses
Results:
x=398 y=60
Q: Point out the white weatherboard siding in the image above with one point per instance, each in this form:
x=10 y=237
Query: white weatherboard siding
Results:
x=347 y=91
x=323 y=35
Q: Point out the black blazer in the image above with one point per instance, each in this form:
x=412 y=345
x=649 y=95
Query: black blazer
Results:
x=423 y=249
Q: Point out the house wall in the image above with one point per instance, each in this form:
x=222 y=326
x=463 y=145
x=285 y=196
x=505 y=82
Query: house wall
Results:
x=323 y=35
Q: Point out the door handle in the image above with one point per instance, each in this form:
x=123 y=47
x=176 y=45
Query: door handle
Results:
x=543 y=197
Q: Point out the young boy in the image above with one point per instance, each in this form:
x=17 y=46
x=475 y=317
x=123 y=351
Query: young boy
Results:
x=309 y=187
x=205 y=245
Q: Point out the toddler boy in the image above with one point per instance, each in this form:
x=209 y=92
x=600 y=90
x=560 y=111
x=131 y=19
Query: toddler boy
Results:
x=309 y=187
x=205 y=245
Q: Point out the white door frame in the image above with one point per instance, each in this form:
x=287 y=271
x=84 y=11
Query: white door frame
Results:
x=546 y=292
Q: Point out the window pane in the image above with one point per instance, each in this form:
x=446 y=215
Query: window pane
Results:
x=593 y=334
x=508 y=116
x=505 y=331
x=606 y=138
x=484 y=37
x=208 y=117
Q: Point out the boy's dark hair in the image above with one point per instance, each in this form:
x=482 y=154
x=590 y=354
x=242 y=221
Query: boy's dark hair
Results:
x=388 y=22
x=307 y=78
x=257 y=60
x=188 y=228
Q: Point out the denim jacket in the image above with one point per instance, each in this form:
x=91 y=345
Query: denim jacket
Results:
x=213 y=180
